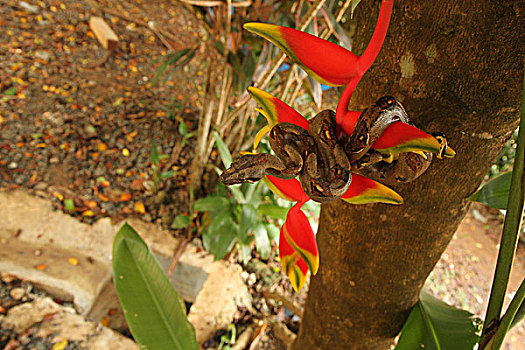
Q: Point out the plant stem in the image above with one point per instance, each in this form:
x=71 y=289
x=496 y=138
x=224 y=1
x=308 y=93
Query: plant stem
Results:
x=506 y=320
x=511 y=227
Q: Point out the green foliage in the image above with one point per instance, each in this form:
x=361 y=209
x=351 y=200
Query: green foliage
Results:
x=435 y=325
x=172 y=60
x=228 y=339
x=494 y=193
x=246 y=217
x=155 y=313
x=505 y=159
x=156 y=172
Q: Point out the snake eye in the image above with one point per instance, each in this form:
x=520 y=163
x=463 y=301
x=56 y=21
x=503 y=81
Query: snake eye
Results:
x=365 y=138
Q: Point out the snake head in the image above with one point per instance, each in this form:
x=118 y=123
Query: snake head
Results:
x=248 y=168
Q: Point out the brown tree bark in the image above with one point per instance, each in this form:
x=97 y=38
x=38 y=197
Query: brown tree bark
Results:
x=457 y=67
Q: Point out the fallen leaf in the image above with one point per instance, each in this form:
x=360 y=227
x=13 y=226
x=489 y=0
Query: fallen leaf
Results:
x=125 y=197
x=58 y=195
x=73 y=261
x=41 y=267
x=88 y=213
x=61 y=345
x=139 y=208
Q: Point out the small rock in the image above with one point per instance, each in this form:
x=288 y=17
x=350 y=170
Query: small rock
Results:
x=28 y=7
x=20 y=179
x=8 y=278
x=43 y=55
x=12 y=165
x=41 y=186
x=17 y=293
x=54 y=160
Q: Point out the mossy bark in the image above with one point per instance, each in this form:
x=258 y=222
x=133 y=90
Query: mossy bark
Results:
x=457 y=67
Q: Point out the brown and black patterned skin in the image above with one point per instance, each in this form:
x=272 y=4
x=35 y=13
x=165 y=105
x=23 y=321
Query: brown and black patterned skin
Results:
x=324 y=163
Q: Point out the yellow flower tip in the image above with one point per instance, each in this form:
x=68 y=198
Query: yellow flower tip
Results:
x=259 y=94
x=262 y=29
x=243 y=153
x=315 y=265
x=396 y=199
x=450 y=153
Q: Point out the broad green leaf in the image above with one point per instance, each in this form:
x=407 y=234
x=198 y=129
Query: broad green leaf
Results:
x=273 y=232
x=155 y=312
x=245 y=252
x=273 y=211
x=220 y=235
x=211 y=203
x=181 y=221
x=435 y=325
x=249 y=219
x=494 y=193
x=262 y=242
x=225 y=154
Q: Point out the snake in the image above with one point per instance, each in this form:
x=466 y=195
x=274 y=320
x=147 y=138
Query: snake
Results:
x=324 y=162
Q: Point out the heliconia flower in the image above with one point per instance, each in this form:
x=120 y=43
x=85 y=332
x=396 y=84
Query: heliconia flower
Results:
x=398 y=137
x=401 y=137
x=292 y=264
x=297 y=245
x=286 y=189
x=363 y=190
x=328 y=63
x=275 y=111
x=347 y=123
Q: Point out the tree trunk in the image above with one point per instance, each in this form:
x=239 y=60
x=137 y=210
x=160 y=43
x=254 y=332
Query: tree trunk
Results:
x=457 y=66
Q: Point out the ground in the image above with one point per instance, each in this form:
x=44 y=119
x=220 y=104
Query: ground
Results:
x=77 y=126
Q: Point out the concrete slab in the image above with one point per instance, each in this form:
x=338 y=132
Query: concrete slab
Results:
x=72 y=261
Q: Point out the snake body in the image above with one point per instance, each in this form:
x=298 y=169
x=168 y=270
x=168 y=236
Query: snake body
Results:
x=323 y=162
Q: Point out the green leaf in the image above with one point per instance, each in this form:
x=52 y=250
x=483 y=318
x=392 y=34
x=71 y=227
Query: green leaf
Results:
x=435 y=325
x=245 y=252
x=183 y=128
x=168 y=174
x=155 y=312
x=181 y=221
x=10 y=92
x=273 y=232
x=494 y=193
x=69 y=205
x=154 y=155
x=249 y=219
x=211 y=203
x=273 y=211
x=225 y=154
x=221 y=234
x=171 y=59
x=262 y=242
